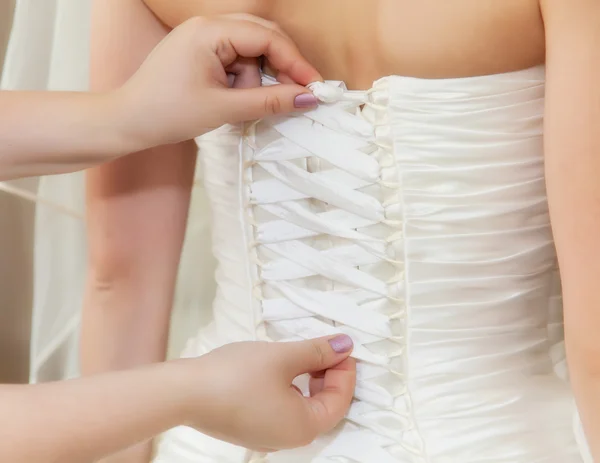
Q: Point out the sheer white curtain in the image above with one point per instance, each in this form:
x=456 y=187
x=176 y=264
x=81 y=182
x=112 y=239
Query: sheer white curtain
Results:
x=49 y=49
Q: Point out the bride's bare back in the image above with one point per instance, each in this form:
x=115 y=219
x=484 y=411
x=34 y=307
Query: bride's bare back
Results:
x=359 y=41
x=137 y=206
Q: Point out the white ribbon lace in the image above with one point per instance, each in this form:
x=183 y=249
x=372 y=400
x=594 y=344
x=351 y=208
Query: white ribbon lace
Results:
x=325 y=208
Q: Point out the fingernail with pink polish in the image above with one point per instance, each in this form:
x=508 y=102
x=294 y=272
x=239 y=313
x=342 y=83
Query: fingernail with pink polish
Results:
x=305 y=100
x=341 y=344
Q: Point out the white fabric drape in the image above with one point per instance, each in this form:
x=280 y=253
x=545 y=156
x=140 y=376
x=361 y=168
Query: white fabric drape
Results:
x=49 y=49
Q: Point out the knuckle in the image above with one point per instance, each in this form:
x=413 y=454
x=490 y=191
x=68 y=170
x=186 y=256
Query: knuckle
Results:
x=194 y=29
x=273 y=34
x=271 y=26
x=273 y=40
x=195 y=23
x=273 y=104
x=319 y=353
x=319 y=411
x=276 y=28
x=224 y=50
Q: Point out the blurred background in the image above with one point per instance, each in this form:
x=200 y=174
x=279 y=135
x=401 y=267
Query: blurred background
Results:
x=44 y=45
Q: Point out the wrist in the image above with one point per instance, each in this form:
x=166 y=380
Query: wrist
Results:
x=176 y=389
x=196 y=400
x=139 y=121
x=123 y=123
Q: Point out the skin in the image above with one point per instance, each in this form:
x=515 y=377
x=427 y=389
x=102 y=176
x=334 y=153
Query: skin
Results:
x=572 y=149
x=220 y=394
x=87 y=419
x=68 y=131
x=359 y=41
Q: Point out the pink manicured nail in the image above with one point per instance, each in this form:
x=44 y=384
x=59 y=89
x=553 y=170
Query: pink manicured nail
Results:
x=305 y=100
x=341 y=344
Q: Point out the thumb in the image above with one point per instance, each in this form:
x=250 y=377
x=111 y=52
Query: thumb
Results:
x=315 y=354
x=246 y=104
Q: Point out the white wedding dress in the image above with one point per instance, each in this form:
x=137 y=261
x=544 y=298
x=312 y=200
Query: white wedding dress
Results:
x=413 y=217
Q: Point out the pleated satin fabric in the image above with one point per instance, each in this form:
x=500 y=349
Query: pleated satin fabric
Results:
x=413 y=217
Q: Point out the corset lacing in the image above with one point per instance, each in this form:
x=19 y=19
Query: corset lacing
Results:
x=325 y=205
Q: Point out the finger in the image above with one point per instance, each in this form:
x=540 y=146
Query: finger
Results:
x=251 y=40
x=284 y=78
x=255 y=19
x=315 y=385
x=246 y=73
x=330 y=405
x=269 y=70
x=256 y=103
x=267 y=66
x=314 y=355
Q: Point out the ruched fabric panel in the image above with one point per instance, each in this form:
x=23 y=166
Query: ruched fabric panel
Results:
x=413 y=217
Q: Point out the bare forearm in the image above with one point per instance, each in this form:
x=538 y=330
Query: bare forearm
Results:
x=85 y=419
x=58 y=132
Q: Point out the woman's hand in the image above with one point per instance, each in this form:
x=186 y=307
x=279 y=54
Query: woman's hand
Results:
x=181 y=91
x=243 y=393
x=184 y=88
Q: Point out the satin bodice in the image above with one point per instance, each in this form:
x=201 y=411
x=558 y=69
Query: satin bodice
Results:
x=413 y=217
